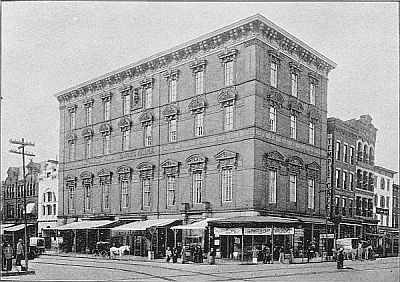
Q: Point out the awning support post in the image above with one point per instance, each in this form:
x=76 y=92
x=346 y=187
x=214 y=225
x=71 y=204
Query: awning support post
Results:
x=272 y=246
x=242 y=244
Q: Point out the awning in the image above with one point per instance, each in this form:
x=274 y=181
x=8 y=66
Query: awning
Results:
x=16 y=228
x=84 y=224
x=314 y=220
x=202 y=224
x=256 y=219
x=144 y=224
x=4 y=227
x=30 y=207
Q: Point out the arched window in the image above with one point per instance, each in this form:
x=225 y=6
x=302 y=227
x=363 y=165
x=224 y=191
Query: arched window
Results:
x=359 y=151
x=371 y=156
x=365 y=155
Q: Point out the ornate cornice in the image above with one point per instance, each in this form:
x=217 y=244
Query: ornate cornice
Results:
x=254 y=26
x=228 y=55
x=198 y=65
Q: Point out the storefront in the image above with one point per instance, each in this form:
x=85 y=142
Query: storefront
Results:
x=14 y=232
x=147 y=237
x=239 y=237
x=82 y=236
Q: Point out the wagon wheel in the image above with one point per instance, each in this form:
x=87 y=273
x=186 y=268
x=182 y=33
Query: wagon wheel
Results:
x=104 y=253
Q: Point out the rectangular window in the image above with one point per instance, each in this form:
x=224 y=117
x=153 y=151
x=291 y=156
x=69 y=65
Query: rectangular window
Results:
x=72 y=151
x=226 y=184
x=311 y=193
x=125 y=140
x=337 y=200
x=293 y=188
x=295 y=83
x=345 y=153
x=148 y=97
x=272 y=186
x=49 y=210
x=352 y=155
x=228 y=71
x=124 y=194
x=199 y=119
x=89 y=114
x=171 y=190
x=107 y=106
x=172 y=130
x=146 y=192
x=388 y=202
x=388 y=184
x=383 y=183
x=293 y=127
x=228 y=118
x=350 y=207
x=337 y=178
x=382 y=202
x=344 y=202
x=351 y=181
x=199 y=82
x=72 y=120
x=147 y=136
x=272 y=119
x=172 y=86
x=106 y=144
x=338 y=153
x=311 y=135
x=126 y=104
x=344 y=179
x=313 y=89
x=197 y=187
x=88 y=195
x=72 y=198
x=89 y=148
x=274 y=74
x=105 y=188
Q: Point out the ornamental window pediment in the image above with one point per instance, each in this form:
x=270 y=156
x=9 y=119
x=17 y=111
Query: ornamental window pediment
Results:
x=275 y=56
x=313 y=78
x=106 y=96
x=295 y=68
x=226 y=158
x=71 y=137
x=104 y=176
x=227 y=97
x=88 y=102
x=274 y=160
x=146 y=170
x=313 y=170
x=70 y=180
x=197 y=105
x=72 y=108
x=296 y=108
x=170 y=167
x=125 y=89
x=294 y=164
x=313 y=115
x=124 y=173
x=124 y=124
x=87 y=133
x=87 y=177
x=196 y=162
x=228 y=55
x=170 y=112
x=147 y=82
x=105 y=129
x=171 y=75
x=274 y=98
x=198 y=65
x=146 y=118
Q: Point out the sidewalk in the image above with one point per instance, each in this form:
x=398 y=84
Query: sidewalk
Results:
x=17 y=273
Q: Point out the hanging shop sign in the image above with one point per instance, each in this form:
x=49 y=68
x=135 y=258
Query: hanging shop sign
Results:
x=121 y=232
x=227 y=231
x=283 y=230
x=258 y=231
x=382 y=211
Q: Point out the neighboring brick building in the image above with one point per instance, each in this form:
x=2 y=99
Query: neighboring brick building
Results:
x=395 y=208
x=231 y=123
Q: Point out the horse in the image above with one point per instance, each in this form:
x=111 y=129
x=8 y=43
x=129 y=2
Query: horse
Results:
x=114 y=251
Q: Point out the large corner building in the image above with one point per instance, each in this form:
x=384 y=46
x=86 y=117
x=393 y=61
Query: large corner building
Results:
x=229 y=125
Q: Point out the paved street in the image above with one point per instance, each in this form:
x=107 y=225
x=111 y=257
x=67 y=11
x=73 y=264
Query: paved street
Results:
x=70 y=268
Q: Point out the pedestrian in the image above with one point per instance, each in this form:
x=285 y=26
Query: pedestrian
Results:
x=255 y=254
x=174 y=255
x=183 y=254
x=291 y=257
x=340 y=259
x=199 y=254
x=360 y=251
x=8 y=253
x=20 y=254
x=263 y=252
x=168 y=254
x=268 y=255
x=282 y=254
x=193 y=253
x=3 y=257
x=211 y=257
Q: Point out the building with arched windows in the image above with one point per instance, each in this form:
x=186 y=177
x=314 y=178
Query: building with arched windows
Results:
x=229 y=124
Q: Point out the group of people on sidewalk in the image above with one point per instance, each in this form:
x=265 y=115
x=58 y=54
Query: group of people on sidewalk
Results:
x=193 y=253
x=8 y=255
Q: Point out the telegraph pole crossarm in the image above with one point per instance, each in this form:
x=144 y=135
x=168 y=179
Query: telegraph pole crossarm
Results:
x=21 y=151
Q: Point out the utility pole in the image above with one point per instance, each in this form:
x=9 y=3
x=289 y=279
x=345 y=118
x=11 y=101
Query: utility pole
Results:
x=21 y=151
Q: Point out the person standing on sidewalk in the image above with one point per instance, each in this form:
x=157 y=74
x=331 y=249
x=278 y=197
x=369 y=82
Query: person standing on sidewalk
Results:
x=340 y=259
x=20 y=254
x=282 y=254
x=8 y=254
x=168 y=254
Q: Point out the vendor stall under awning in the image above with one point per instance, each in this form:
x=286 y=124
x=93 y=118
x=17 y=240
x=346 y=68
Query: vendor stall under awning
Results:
x=202 y=224
x=85 y=224
x=144 y=224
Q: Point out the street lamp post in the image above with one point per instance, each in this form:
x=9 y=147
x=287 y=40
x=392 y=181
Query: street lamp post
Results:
x=21 y=151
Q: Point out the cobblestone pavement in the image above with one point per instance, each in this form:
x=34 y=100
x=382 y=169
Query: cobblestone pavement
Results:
x=75 y=268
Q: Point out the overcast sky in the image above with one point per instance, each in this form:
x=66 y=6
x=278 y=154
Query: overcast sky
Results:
x=48 y=47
